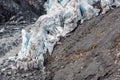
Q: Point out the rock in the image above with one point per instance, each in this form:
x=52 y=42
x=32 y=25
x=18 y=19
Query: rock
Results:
x=118 y=54
x=11 y=58
x=35 y=64
x=27 y=75
x=14 y=72
x=25 y=66
x=2 y=70
x=13 y=78
x=13 y=67
x=18 y=10
x=6 y=63
x=23 y=75
x=9 y=73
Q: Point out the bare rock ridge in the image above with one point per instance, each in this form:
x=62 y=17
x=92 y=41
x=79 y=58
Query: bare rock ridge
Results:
x=90 y=52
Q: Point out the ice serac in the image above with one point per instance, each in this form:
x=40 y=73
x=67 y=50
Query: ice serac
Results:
x=61 y=18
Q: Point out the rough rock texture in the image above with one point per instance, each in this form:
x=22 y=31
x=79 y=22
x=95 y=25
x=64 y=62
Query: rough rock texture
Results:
x=20 y=10
x=90 y=52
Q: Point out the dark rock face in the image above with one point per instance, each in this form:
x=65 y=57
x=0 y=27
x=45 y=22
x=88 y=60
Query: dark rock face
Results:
x=19 y=10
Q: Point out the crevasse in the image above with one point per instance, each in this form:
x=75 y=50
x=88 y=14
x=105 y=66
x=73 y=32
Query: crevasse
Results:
x=61 y=18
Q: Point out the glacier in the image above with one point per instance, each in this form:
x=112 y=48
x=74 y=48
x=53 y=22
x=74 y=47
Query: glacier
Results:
x=61 y=18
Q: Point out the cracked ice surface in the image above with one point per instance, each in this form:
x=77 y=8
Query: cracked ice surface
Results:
x=61 y=18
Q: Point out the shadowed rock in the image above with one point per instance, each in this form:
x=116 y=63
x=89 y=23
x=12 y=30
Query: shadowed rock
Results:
x=20 y=10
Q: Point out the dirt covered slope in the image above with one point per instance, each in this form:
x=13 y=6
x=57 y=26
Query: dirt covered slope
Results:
x=90 y=52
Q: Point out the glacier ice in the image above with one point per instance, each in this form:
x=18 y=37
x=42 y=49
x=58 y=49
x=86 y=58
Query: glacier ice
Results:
x=61 y=18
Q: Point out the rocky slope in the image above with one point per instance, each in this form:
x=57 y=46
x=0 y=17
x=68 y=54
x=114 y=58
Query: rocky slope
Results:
x=90 y=52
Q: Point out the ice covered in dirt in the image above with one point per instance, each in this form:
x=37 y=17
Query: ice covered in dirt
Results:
x=61 y=18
